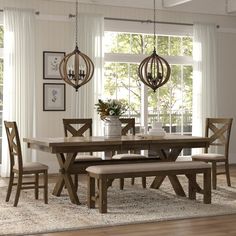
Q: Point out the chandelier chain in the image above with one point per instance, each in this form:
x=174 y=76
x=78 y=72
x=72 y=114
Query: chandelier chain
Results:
x=154 y=24
x=76 y=24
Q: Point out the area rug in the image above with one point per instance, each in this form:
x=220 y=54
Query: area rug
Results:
x=131 y=205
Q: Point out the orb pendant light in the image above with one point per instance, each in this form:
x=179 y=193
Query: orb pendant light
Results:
x=76 y=68
x=154 y=71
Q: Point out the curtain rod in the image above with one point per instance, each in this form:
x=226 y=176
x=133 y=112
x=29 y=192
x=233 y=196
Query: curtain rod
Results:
x=151 y=21
x=36 y=13
x=134 y=20
x=147 y=21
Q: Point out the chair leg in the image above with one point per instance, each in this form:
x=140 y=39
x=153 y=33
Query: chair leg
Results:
x=227 y=173
x=132 y=181
x=144 y=184
x=36 y=190
x=19 y=186
x=213 y=171
x=121 y=184
x=45 y=179
x=10 y=184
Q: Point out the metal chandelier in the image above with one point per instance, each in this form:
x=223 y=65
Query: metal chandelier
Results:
x=154 y=71
x=76 y=68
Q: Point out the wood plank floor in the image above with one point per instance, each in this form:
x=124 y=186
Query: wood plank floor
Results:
x=209 y=226
x=212 y=226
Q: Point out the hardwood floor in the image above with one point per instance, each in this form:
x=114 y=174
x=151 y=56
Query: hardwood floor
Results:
x=209 y=226
x=212 y=226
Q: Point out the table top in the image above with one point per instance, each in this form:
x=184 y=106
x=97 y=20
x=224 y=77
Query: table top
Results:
x=99 y=143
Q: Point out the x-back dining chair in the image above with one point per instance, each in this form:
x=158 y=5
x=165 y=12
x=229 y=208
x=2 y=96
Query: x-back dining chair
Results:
x=79 y=128
x=218 y=130
x=128 y=125
x=21 y=169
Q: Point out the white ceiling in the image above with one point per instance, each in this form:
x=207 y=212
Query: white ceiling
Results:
x=195 y=6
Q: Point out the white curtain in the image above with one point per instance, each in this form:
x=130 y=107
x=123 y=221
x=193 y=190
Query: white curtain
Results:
x=19 y=77
x=204 y=75
x=90 y=37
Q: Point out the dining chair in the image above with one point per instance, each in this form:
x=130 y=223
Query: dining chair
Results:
x=218 y=130
x=23 y=169
x=128 y=127
x=80 y=128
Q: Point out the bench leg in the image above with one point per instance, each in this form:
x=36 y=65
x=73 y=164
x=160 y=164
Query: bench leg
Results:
x=144 y=183
x=121 y=183
x=103 y=195
x=207 y=187
x=191 y=186
x=91 y=192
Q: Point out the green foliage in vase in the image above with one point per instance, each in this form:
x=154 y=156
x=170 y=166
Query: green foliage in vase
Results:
x=111 y=107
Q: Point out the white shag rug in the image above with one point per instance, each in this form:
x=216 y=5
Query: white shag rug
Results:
x=132 y=205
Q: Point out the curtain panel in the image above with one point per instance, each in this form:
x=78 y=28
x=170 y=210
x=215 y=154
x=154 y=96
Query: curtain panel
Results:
x=19 y=77
x=204 y=76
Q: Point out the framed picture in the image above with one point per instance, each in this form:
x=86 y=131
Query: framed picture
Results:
x=54 y=97
x=51 y=62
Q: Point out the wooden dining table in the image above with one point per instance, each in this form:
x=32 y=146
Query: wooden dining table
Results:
x=66 y=148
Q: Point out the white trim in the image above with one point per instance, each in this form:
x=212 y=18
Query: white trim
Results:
x=173 y=3
x=230 y=6
x=61 y=18
x=147 y=28
x=119 y=57
x=227 y=30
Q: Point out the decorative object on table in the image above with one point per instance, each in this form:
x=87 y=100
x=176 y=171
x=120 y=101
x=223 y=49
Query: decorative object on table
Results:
x=54 y=97
x=112 y=127
x=157 y=129
x=154 y=71
x=110 y=111
x=76 y=68
x=51 y=62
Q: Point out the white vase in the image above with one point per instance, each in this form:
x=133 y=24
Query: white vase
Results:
x=112 y=127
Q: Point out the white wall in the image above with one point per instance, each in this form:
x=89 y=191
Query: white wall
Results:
x=55 y=33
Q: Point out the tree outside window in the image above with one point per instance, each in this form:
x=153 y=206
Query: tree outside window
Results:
x=172 y=103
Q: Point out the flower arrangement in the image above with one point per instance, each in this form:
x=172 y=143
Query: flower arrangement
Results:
x=111 y=107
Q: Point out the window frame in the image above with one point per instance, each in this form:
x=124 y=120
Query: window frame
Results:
x=134 y=27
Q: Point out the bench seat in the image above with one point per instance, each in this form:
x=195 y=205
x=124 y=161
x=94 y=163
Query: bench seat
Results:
x=104 y=173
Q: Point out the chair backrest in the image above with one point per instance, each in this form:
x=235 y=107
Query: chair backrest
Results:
x=14 y=144
x=218 y=130
x=77 y=127
x=127 y=124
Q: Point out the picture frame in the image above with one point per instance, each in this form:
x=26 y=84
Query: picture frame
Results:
x=51 y=62
x=54 y=97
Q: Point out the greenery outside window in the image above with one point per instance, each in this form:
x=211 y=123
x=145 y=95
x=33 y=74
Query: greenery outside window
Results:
x=172 y=103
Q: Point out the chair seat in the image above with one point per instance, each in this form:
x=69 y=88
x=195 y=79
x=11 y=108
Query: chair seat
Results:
x=87 y=158
x=31 y=166
x=128 y=156
x=208 y=157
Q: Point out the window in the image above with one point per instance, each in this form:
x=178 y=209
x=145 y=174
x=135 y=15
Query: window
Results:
x=172 y=103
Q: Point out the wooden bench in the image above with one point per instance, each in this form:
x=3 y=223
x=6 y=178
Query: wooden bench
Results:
x=104 y=173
